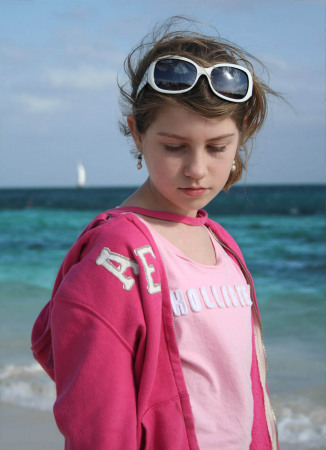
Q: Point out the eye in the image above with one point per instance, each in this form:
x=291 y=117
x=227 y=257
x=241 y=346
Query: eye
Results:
x=173 y=148
x=217 y=148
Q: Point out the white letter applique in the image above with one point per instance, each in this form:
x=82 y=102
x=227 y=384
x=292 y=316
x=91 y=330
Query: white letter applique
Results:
x=105 y=258
x=245 y=293
x=206 y=299
x=149 y=268
x=194 y=300
x=178 y=303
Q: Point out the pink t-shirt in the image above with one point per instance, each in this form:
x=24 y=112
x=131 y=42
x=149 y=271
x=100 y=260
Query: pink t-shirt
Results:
x=212 y=316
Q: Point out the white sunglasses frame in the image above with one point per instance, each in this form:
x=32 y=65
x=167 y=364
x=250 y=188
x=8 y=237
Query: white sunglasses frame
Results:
x=149 y=78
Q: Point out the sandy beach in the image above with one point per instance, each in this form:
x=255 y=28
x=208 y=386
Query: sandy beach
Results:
x=28 y=429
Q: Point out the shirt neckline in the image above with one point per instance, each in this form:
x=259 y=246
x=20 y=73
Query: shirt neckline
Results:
x=200 y=218
x=219 y=253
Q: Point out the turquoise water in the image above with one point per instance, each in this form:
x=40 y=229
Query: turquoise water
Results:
x=285 y=254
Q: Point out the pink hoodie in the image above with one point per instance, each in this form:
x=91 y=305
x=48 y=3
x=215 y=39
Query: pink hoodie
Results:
x=107 y=340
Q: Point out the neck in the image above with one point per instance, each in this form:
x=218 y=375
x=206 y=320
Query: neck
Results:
x=146 y=196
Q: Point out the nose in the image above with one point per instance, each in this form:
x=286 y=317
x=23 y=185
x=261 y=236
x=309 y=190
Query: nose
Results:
x=195 y=165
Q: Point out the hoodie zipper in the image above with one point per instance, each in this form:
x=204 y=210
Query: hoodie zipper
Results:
x=268 y=408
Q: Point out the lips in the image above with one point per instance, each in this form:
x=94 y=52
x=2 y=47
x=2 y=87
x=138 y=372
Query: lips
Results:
x=194 y=192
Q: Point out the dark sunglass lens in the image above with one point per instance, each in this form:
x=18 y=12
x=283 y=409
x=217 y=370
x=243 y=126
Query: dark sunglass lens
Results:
x=230 y=82
x=174 y=74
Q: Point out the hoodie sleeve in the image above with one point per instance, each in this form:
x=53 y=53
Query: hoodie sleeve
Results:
x=96 y=395
x=97 y=327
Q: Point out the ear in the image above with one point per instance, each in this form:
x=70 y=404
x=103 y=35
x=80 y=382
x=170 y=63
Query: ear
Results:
x=137 y=137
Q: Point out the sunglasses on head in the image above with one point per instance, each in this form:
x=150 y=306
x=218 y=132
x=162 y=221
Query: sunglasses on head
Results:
x=176 y=74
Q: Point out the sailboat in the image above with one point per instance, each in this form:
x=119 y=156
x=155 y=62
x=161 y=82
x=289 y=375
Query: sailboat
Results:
x=81 y=175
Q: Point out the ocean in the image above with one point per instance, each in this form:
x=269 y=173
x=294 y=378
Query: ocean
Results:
x=281 y=231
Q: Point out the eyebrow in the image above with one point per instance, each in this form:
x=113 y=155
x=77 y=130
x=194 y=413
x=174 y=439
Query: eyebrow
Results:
x=177 y=136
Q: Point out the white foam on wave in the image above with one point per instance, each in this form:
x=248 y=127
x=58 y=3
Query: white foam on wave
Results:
x=12 y=370
x=26 y=386
x=303 y=430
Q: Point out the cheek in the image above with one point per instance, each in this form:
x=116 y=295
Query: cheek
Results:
x=158 y=168
x=223 y=164
x=164 y=165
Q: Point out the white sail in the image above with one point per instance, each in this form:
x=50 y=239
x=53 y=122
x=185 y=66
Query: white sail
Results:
x=81 y=175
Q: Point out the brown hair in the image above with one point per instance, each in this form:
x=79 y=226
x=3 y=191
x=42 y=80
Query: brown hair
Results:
x=205 y=50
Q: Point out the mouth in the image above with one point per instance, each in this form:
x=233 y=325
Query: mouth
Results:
x=194 y=192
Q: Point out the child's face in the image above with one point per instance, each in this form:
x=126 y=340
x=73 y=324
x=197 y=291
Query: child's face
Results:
x=188 y=157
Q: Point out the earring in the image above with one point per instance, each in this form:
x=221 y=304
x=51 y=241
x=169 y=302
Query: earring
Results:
x=233 y=166
x=139 y=161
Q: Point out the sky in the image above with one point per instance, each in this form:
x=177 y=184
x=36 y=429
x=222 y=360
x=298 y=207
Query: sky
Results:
x=59 y=65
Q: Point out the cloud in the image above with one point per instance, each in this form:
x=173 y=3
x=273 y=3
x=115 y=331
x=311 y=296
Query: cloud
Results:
x=34 y=104
x=85 y=78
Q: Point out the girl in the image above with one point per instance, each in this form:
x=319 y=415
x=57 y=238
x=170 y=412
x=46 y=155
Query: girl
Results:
x=153 y=335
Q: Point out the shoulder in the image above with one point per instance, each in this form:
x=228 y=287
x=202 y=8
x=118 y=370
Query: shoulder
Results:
x=122 y=230
x=113 y=250
x=111 y=269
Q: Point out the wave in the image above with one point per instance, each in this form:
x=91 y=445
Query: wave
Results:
x=303 y=431
x=27 y=386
